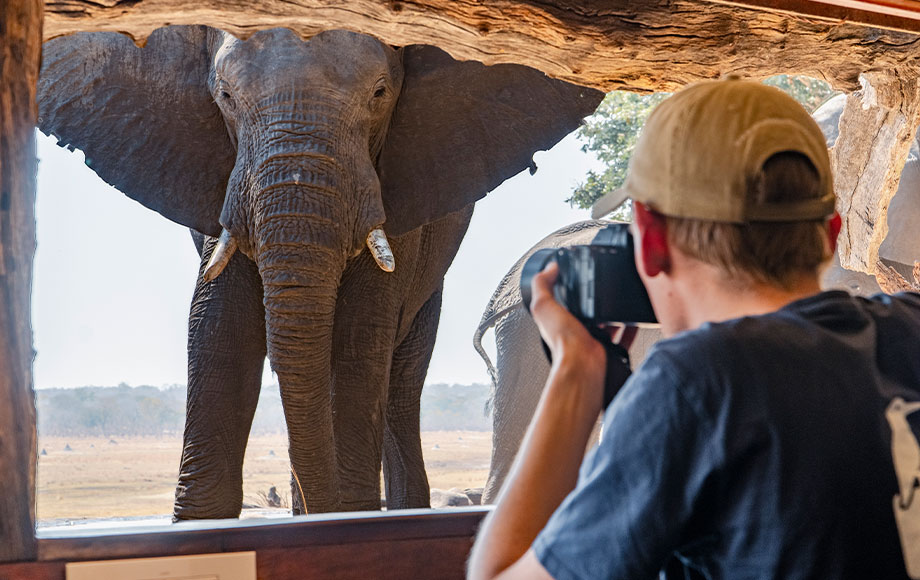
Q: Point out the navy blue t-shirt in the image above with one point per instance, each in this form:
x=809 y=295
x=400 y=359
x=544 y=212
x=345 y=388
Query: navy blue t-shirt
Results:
x=760 y=447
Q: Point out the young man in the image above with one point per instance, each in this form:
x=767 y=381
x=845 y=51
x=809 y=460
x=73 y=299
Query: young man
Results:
x=770 y=435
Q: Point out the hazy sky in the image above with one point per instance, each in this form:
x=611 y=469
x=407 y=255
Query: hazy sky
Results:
x=113 y=280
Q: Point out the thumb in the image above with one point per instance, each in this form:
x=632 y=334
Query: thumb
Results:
x=542 y=285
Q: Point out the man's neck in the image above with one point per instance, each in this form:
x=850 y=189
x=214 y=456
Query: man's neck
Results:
x=705 y=294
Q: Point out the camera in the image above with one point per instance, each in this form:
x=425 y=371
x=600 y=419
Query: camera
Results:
x=600 y=286
x=597 y=283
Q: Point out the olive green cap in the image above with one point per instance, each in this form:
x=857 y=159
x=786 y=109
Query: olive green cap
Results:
x=701 y=147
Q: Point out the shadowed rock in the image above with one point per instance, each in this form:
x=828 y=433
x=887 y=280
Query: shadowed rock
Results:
x=441 y=499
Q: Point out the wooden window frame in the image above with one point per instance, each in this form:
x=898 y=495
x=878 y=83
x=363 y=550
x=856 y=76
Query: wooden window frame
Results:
x=378 y=545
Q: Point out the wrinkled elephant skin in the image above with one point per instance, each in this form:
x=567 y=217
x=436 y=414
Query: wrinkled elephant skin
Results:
x=298 y=155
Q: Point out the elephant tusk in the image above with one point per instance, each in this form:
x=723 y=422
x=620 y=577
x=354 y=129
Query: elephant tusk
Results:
x=380 y=249
x=226 y=246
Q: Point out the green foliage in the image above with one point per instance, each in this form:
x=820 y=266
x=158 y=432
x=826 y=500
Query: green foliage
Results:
x=612 y=131
x=611 y=134
x=810 y=93
x=110 y=411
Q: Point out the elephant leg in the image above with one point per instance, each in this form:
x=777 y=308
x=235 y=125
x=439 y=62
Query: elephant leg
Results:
x=522 y=369
x=226 y=350
x=365 y=332
x=403 y=464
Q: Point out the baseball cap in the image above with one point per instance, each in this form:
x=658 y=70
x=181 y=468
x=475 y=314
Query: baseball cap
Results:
x=700 y=148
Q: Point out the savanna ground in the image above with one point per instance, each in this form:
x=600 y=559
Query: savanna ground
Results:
x=128 y=477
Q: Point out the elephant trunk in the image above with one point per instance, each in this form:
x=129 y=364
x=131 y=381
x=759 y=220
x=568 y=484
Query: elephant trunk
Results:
x=300 y=253
x=299 y=297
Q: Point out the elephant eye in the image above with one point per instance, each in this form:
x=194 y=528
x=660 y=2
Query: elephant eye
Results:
x=226 y=99
x=380 y=90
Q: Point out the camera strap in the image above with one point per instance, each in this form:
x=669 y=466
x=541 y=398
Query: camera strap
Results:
x=618 y=367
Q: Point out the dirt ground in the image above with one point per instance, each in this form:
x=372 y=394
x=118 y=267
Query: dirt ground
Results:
x=109 y=478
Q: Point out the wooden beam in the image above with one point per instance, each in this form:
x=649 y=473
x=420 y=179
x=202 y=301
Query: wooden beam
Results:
x=404 y=544
x=651 y=45
x=20 y=50
x=892 y=14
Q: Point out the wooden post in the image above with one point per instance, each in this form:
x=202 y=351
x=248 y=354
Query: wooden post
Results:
x=20 y=51
x=877 y=126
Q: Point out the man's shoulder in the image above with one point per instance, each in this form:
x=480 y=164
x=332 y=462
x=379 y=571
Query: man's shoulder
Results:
x=831 y=312
x=830 y=327
x=902 y=303
x=718 y=349
x=686 y=351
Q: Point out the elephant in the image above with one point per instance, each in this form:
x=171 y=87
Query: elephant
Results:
x=289 y=159
x=521 y=367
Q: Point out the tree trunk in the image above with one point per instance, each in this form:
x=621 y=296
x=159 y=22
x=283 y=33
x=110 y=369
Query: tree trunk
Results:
x=20 y=50
x=877 y=126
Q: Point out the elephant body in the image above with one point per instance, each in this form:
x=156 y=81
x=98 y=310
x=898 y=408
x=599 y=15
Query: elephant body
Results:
x=399 y=324
x=289 y=159
x=521 y=368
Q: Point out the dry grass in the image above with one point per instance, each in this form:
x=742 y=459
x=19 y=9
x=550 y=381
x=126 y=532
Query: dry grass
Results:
x=137 y=476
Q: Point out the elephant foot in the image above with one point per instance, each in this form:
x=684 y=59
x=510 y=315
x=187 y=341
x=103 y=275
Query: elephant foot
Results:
x=185 y=512
x=208 y=496
x=405 y=501
x=361 y=506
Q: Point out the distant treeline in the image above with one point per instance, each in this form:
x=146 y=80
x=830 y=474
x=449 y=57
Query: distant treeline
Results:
x=126 y=411
x=455 y=407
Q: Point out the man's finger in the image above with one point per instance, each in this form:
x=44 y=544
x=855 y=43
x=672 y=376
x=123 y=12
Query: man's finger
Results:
x=546 y=277
x=542 y=284
x=551 y=317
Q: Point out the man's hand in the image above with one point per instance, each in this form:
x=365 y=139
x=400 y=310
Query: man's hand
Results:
x=558 y=327
x=567 y=338
x=563 y=333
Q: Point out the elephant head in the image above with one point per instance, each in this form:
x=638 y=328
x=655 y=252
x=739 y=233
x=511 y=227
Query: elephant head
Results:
x=300 y=154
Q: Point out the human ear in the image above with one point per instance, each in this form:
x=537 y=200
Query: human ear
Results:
x=833 y=230
x=654 y=255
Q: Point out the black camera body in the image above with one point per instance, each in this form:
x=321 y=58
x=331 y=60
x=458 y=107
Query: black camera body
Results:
x=597 y=283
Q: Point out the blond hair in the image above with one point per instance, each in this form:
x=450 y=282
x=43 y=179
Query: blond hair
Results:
x=775 y=253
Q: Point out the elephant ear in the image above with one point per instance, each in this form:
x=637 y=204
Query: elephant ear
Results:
x=462 y=128
x=144 y=117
